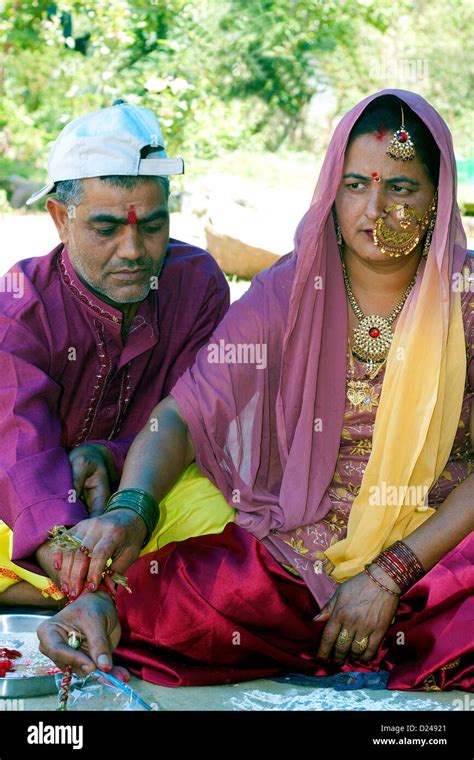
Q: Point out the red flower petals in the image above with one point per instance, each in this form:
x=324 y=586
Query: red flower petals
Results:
x=11 y=654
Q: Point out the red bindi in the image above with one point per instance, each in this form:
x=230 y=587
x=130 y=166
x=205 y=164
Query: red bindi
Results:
x=375 y=176
x=132 y=217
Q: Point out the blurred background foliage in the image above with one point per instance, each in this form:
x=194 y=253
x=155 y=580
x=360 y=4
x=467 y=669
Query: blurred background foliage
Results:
x=226 y=75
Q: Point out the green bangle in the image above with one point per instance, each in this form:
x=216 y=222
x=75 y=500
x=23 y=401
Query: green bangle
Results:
x=135 y=498
x=139 y=502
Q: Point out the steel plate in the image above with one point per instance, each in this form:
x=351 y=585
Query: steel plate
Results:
x=12 y=625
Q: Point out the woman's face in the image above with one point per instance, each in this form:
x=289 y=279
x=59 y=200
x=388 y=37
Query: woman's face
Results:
x=361 y=200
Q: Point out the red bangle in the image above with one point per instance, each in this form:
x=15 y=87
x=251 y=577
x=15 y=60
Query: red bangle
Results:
x=401 y=564
x=385 y=588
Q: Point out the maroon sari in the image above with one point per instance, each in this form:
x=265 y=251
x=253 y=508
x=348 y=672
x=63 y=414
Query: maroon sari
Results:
x=221 y=609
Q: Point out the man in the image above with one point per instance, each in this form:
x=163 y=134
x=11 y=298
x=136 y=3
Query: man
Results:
x=100 y=330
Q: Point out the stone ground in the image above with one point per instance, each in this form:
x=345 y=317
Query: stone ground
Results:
x=257 y=695
x=33 y=234
x=270 y=695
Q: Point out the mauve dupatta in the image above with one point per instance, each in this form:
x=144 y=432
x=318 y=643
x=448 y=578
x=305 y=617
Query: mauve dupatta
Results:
x=269 y=438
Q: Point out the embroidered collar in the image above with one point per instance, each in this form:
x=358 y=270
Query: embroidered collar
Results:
x=83 y=294
x=147 y=311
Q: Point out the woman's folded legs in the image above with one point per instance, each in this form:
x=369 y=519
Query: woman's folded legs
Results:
x=220 y=609
x=216 y=609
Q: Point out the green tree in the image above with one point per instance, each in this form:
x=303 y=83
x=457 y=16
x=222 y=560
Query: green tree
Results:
x=221 y=74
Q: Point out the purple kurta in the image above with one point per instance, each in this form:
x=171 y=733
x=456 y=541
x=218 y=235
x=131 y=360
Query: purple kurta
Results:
x=67 y=377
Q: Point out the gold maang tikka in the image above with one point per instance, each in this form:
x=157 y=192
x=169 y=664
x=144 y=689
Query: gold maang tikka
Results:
x=395 y=243
x=401 y=146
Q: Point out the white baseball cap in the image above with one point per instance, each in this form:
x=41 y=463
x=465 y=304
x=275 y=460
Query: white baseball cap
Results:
x=107 y=142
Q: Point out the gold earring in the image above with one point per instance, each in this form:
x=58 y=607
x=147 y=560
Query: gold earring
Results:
x=429 y=235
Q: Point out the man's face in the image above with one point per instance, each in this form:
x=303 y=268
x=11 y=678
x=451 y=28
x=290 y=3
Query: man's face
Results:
x=118 y=238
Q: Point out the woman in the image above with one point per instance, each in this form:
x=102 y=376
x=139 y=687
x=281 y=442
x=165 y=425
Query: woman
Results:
x=348 y=458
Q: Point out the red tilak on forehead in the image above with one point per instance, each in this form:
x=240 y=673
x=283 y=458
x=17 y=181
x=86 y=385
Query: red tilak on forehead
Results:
x=132 y=217
x=375 y=176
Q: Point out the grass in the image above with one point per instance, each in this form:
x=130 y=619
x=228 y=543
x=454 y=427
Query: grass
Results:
x=293 y=170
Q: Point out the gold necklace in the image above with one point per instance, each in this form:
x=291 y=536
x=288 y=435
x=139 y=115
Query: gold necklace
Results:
x=359 y=392
x=373 y=336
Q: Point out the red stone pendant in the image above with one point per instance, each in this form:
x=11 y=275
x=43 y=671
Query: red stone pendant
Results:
x=401 y=147
x=372 y=339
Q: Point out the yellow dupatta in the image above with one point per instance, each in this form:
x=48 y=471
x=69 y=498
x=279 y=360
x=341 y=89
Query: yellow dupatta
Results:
x=422 y=392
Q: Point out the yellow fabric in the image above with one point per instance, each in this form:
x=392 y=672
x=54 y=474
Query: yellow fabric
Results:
x=415 y=424
x=193 y=507
x=11 y=573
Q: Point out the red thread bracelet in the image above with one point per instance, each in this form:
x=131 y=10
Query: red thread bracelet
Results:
x=103 y=587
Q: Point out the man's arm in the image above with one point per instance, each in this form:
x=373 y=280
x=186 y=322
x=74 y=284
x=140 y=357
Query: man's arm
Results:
x=114 y=455
x=35 y=474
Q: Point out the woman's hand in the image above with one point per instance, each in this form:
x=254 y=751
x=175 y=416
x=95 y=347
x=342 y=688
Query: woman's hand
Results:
x=117 y=535
x=92 y=616
x=364 y=610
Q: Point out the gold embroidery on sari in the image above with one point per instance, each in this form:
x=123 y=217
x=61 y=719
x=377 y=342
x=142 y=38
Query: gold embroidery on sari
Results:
x=7 y=573
x=297 y=546
x=451 y=665
x=429 y=684
x=335 y=523
x=362 y=446
x=50 y=590
x=290 y=569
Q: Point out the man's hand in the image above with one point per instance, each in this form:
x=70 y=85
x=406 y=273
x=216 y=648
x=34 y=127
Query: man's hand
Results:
x=94 y=618
x=364 y=610
x=94 y=475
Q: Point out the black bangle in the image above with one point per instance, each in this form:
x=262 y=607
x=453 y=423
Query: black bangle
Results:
x=139 y=502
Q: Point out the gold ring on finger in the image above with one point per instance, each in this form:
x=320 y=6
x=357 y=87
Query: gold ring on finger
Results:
x=363 y=643
x=343 y=636
x=74 y=639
